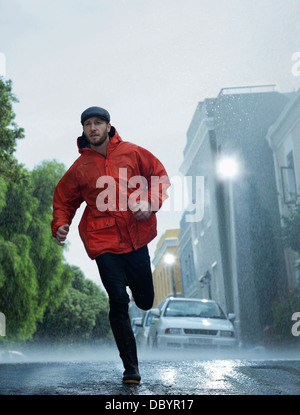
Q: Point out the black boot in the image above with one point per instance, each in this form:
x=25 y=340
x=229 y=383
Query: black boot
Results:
x=126 y=344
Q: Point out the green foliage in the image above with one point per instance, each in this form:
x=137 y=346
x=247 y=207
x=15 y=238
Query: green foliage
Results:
x=33 y=274
x=283 y=308
x=9 y=131
x=291 y=230
x=19 y=291
x=81 y=316
x=3 y=189
x=52 y=274
x=9 y=134
x=44 y=179
x=19 y=209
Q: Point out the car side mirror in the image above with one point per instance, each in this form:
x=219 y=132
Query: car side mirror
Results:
x=231 y=316
x=155 y=312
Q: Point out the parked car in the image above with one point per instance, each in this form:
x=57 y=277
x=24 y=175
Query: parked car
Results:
x=185 y=323
x=134 y=327
x=143 y=325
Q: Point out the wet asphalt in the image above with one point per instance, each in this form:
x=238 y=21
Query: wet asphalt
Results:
x=163 y=374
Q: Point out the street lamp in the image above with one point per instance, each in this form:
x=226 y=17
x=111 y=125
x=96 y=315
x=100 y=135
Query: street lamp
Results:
x=228 y=170
x=169 y=260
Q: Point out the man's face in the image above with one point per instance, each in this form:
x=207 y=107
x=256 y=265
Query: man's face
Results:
x=96 y=131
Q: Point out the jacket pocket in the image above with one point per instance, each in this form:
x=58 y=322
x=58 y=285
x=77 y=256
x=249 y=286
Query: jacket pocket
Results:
x=100 y=223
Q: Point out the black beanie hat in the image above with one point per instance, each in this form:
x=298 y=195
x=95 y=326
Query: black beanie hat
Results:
x=95 y=112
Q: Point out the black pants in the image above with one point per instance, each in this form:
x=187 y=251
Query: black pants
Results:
x=131 y=269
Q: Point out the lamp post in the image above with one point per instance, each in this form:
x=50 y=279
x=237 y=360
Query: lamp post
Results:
x=228 y=170
x=205 y=279
x=170 y=259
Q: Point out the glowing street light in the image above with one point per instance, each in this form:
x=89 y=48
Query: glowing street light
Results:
x=169 y=259
x=228 y=168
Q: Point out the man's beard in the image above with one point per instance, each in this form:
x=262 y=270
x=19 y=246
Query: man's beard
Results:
x=100 y=140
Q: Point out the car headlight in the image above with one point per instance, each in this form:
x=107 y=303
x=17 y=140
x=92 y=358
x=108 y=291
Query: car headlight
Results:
x=226 y=333
x=172 y=331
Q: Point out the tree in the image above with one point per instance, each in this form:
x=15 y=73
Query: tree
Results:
x=291 y=230
x=32 y=267
x=18 y=288
x=53 y=275
x=9 y=133
x=33 y=274
x=34 y=277
x=285 y=305
x=288 y=300
x=81 y=316
x=18 y=294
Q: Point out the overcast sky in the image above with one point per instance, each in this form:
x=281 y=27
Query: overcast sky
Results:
x=148 y=62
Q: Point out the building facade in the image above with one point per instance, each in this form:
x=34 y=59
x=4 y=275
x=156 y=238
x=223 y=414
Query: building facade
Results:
x=189 y=280
x=166 y=274
x=238 y=259
x=284 y=140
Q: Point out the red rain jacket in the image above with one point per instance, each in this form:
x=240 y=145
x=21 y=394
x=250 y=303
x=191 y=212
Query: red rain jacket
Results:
x=107 y=185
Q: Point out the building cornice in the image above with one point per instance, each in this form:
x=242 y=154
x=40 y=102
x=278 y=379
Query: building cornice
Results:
x=285 y=123
x=206 y=125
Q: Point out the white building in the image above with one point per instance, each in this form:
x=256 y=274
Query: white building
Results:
x=237 y=257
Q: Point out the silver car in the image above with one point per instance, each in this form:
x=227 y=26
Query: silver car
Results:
x=143 y=326
x=185 y=323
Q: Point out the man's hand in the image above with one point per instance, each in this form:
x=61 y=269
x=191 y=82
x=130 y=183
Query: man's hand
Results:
x=141 y=210
x=61 y=234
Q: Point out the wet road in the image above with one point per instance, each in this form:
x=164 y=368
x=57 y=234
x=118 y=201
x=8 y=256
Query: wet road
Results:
x=162 y=374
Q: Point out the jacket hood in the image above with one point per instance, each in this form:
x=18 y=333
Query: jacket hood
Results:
x=82 y=142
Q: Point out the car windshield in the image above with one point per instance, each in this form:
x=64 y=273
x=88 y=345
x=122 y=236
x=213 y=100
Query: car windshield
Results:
x=193 y=309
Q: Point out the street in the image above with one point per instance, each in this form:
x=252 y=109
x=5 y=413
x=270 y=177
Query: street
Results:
x=163 y=373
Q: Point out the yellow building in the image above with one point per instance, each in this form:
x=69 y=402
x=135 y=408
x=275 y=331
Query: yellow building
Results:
x=284 y=139
x=166 y=275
